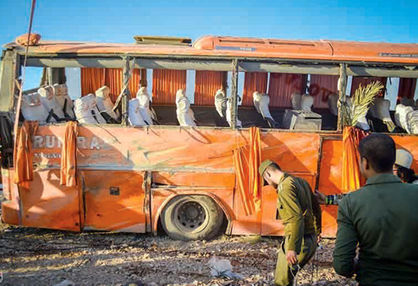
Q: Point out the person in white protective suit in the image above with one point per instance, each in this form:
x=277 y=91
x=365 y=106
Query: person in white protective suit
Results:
x=185 y=114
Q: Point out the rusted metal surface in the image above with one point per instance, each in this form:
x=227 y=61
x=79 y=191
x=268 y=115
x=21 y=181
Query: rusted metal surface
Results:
x=146 y=186
x=318 y=164
x=342 y=86
x=126 y=96
x=234 y=94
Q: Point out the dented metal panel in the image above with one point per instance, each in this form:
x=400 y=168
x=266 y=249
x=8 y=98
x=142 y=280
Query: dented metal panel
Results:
x=297 y=154
x=226 y=180
x=47 y=204
x=112 y=161
x=114 y=201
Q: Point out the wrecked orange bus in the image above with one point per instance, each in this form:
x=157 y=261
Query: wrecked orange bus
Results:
x=185 y=178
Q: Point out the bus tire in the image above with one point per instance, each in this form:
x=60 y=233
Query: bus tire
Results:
x=193 y=217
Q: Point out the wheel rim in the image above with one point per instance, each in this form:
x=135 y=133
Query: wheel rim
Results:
x=190 y=216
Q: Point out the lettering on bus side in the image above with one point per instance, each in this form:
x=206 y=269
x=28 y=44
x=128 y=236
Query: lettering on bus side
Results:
x=53 y=142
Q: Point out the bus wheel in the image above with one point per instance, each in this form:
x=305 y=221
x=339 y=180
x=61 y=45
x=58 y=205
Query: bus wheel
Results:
x=192 y=218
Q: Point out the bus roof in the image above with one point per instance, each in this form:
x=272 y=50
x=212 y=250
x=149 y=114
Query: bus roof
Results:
x=237 y=47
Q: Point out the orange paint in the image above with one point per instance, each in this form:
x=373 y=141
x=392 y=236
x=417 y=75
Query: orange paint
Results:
x=245 y=47
x=48 y=204
x=113 y=161
x=182 y=161
x=114 y=201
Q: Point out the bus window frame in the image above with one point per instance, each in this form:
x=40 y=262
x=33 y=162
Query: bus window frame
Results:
x=227 y=64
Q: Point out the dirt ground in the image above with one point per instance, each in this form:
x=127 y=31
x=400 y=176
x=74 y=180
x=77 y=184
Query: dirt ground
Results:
x=45 y=257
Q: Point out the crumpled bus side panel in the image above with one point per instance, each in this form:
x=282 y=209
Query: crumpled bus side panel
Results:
x=114 y=201
x=113 y=159
x=47 y=204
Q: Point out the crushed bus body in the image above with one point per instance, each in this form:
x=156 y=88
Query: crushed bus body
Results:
x=132 y=178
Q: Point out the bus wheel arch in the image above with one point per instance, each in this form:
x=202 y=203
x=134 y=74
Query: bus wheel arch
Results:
x=209 y=216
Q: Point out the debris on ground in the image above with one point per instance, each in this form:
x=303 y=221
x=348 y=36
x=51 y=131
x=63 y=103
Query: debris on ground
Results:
x=45 y=257
x=222 y=268
x=30 y=256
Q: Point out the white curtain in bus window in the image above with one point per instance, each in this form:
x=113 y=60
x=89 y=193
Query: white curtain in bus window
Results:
x=240 y=86
x=149 y=81
x=392 y=90
x=190 y=85
x=348 y=87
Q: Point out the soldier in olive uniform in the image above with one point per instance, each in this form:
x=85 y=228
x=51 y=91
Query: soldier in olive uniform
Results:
x=380 y=219
x=301 y=215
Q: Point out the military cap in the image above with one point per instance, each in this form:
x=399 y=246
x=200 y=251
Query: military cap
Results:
x=264 y=165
